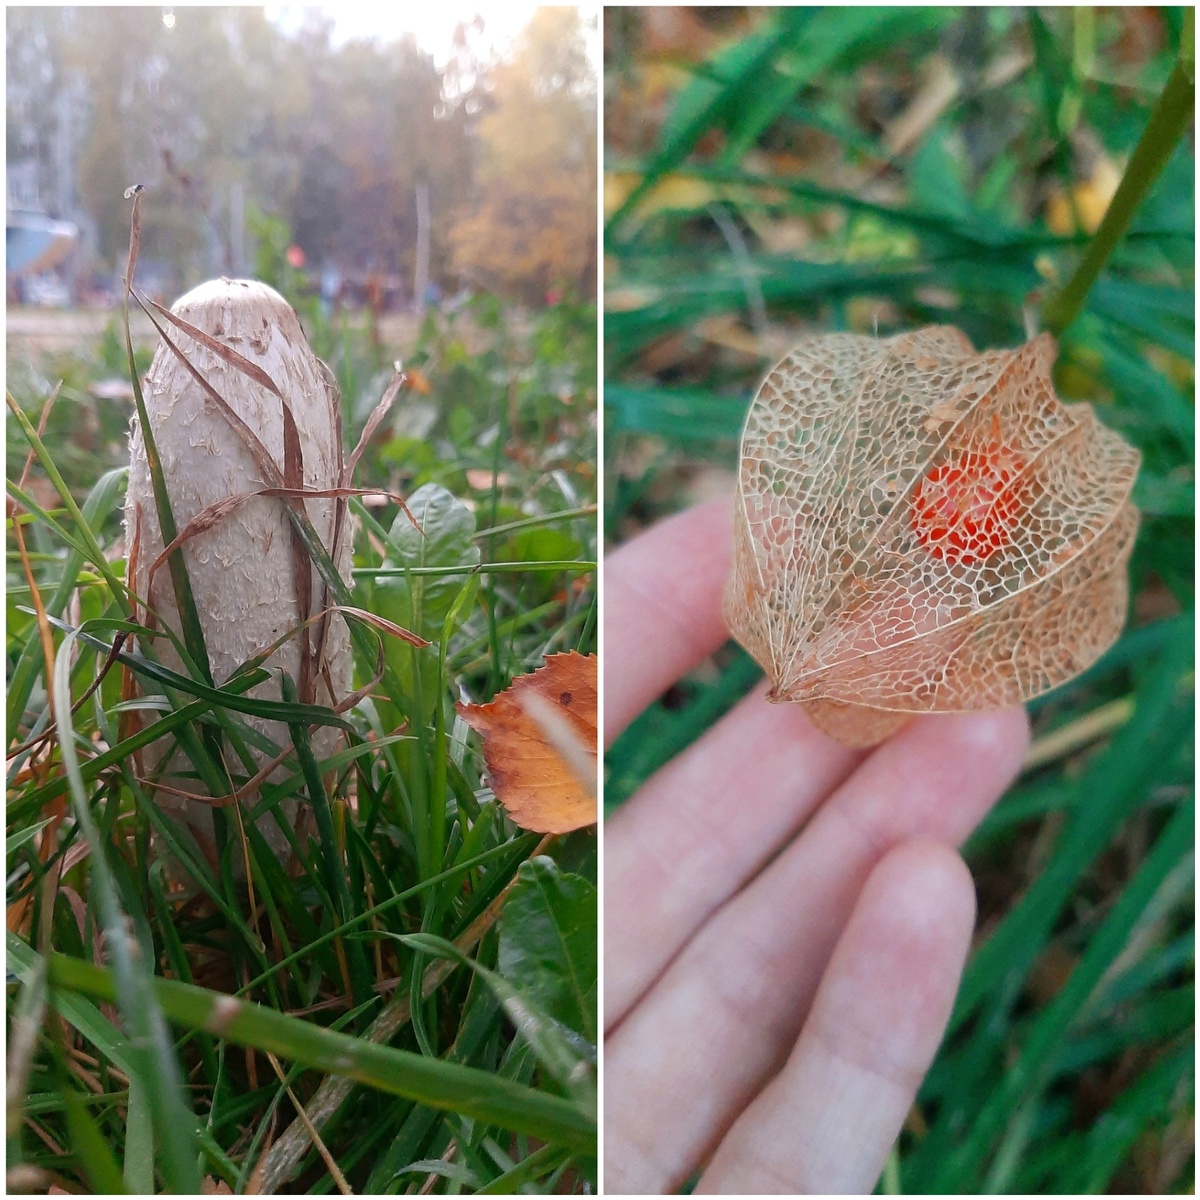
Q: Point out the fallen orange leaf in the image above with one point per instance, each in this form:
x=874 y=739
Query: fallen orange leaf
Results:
x=418 y=381
x=539 y=743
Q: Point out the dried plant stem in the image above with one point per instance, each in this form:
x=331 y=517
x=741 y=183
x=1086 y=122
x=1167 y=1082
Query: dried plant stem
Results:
x=284 y=1157
x=1168 y=123
x=335 y=1171
x=39 y=608
x=1078 y=733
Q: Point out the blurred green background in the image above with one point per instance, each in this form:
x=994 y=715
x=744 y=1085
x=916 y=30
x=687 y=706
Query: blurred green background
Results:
x=771 y=173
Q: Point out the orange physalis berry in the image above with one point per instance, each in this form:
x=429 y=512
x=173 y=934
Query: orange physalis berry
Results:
x=964 y=510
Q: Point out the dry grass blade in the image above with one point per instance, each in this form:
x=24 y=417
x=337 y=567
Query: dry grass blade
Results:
x=250 y=369
x=262 y=458
x=157 y=496
x=43 y=625
x=293 y=479
x=383 y=624
x=211 y=516
x=335 y=1172
x=398 y=381
x=41 y=429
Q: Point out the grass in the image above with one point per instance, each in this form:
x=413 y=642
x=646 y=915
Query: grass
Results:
x=366 y=1019
x=774 y=197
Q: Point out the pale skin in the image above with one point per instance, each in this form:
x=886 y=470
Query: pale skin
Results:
x=786 y=920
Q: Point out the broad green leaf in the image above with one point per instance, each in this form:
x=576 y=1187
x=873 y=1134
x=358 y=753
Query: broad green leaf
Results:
x=422 y=603
x=542 y=545
x=564 y=1054
x=548 y=934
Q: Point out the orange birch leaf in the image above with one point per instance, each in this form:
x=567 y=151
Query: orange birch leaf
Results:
x=539 y=743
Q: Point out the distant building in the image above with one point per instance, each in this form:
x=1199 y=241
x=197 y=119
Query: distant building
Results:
x=48 y=116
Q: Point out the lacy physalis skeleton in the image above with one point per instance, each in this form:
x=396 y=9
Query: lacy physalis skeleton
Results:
x=923 y=528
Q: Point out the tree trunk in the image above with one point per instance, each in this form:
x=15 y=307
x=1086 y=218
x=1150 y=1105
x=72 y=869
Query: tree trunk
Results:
x=421 y=282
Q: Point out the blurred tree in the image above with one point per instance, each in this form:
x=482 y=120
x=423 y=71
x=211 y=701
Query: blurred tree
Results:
x=316 y=205
x=114 y=56
x=530 y=226
x=373 y=153
x=33 y=40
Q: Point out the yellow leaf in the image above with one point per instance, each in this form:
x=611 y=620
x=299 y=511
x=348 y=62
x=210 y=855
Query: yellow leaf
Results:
x=1091 y=199
x=675 y=192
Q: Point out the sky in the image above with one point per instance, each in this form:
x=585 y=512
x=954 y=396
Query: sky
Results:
x=433 y=21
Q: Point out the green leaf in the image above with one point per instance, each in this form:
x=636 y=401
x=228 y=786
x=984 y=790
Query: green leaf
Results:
x=542 y=545
x=560 y=1051
x=421 y=603
x=548 y=935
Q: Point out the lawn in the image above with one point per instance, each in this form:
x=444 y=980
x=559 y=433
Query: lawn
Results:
x=774 y=174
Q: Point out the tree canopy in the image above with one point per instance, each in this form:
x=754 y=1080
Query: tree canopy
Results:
x=356 y=145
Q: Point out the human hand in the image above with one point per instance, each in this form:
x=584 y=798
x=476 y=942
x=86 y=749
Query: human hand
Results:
x=786 y=920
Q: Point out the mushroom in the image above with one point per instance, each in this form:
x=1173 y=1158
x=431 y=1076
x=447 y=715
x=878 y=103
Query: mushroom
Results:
x=251 y=586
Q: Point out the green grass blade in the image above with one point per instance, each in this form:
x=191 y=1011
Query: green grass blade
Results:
x=89 y=546
x=466 y=1090
x=150 y=1047
x=1118 y=777
x=90 y=1145
x=99 y=503
x=139 y=1142
x=1029 y=1074
x=1168 y=123
x=789 y=23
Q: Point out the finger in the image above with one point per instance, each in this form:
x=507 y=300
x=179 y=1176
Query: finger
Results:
x=662 y=607
x=725 y=1013
x=700 y=828
x=825 y=1124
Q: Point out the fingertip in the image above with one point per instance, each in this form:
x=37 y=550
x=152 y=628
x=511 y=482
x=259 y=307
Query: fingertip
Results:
x=892 y=981
x=924 y=886
x=997 y=739
x=1003 y=735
